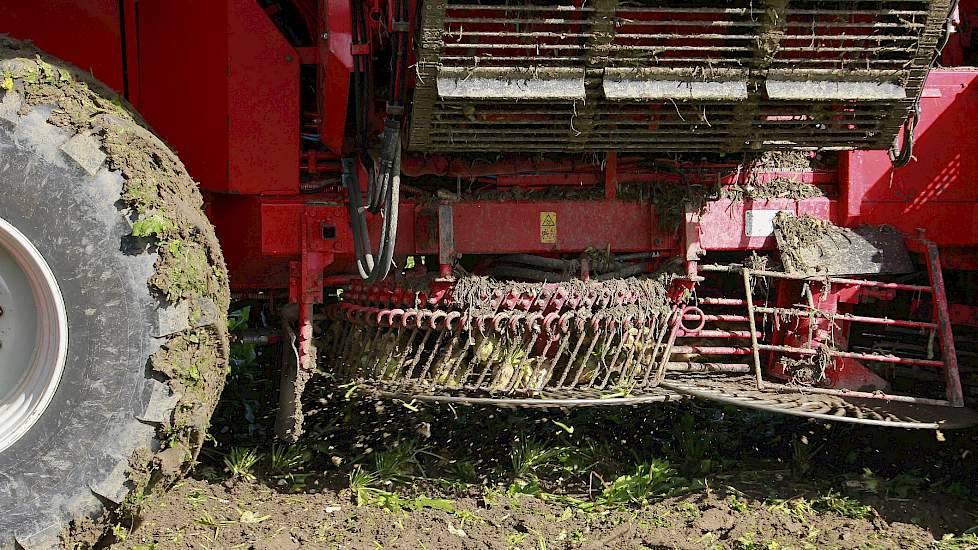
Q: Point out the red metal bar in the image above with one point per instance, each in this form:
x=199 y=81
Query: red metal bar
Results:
x=717 y=318
x=711 y=350
x=687 y=366
x=834 y=280
x=850 y=317
x=851 y=355
x=722 y=302
x=714 y=333
x=953 y=380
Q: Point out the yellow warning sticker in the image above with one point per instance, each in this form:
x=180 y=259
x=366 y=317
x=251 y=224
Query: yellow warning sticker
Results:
x=548 y=227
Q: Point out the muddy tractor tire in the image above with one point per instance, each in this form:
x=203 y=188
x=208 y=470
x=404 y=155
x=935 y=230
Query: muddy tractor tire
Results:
x=113 y=300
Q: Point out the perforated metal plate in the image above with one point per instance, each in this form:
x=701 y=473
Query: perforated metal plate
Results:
x=743 y=392
x=671 y=75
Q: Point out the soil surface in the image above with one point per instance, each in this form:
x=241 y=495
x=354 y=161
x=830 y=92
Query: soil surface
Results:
x=198 y=514
x=388 y=474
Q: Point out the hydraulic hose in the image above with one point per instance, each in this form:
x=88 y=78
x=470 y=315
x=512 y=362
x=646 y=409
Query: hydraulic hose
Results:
x=373 y=268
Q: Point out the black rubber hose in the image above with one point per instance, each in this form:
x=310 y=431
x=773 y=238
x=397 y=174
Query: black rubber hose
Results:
x=510 y=272
x=900 y=157
x=542 y=261
x=364 y=260
x=373 y=268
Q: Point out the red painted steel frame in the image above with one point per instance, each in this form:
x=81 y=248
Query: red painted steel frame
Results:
x=88 y=34
x=221 y=85
x=225 y=95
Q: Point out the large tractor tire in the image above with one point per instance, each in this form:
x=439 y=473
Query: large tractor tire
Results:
x=113 y=332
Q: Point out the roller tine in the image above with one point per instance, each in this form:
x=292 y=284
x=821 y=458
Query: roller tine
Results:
x=564 y=343
x=456 y=345
x=434 y=352
x=594 y=341
x=523 y=368
x=463 y=335
x=405 y=343
x=409 y=368
x=662 y=330
x=339 y=353
x=581 y=335
x=465 y=340
x=641 y=362
x=676 y=322
x=604 y=353
x=627 y=366
x=623 y=334
x=357 y=333
x=610 y=371
x=496 y=352
x=447 y=358
x=497 y=323
x=395 y=335
x=340 y=356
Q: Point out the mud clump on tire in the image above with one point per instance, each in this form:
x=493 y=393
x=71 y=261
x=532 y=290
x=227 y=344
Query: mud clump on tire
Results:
x=164 y=206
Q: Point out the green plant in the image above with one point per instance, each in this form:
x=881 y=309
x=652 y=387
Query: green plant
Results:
x=650 y=481
x=842 y=505
x=528 y=455
x=966 y=541
x=691 y=447
x=397 y=464
x=240 y=462
x=361 y=482
x=120 y=532
x=737 y=504
x=282 y=460
x=514 y=540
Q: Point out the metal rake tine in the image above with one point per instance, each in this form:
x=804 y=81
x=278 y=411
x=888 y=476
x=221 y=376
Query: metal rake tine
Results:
x=431 y=356
x=626 y=369
x=604 y=353
x=465 y=340
x=405 y=345
x=582 y=334
x=417 y=353
x=587 y=354
x=520 y=367
x=447 y=357
x=489 y=361
x=622 y=338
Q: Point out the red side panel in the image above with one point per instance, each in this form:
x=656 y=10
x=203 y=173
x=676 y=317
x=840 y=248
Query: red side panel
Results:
x=221 y=85
x=935 y=191
x=263 y=91
x=183 y=83
x=335 y=72
x=87 y=34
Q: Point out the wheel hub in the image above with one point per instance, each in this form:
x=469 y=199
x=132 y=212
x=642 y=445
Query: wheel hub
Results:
x=33 y=334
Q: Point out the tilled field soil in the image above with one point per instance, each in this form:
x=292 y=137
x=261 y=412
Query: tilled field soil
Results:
x=388 y=474
x=198 y=514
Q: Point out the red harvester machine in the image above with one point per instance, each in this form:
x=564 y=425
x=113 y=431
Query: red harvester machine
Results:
x=764 y=203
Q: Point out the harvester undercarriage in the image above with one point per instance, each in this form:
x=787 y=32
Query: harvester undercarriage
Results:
x=576 y=327
x=751 y=337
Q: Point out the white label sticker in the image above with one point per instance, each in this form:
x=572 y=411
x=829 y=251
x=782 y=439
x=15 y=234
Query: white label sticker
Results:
x=760 y=223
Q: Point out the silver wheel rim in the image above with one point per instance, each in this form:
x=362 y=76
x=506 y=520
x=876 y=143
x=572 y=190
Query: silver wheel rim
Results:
x=33 y=334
